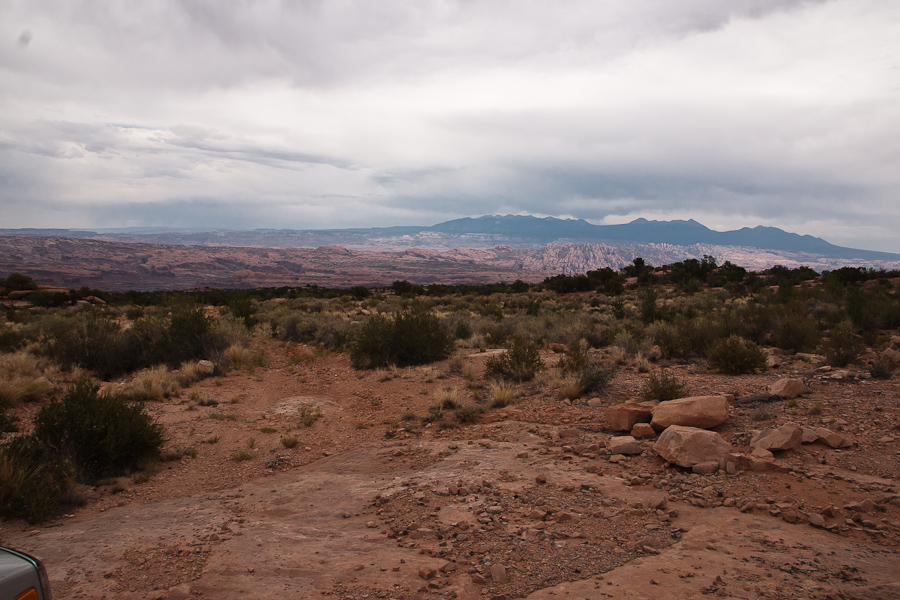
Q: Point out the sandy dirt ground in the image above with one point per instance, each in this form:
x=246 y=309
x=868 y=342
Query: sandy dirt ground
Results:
x=526 y=502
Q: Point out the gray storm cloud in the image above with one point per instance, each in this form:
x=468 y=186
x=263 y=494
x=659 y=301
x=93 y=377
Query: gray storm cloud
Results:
x=352 y=113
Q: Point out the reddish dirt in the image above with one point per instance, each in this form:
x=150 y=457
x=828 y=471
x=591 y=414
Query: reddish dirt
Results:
x=524 y=504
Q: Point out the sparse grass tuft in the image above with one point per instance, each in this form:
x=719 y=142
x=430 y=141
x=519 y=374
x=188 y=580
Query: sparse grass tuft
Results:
x=222 y=416
x=309 y=415
x=290 y=442
x=762 y=413
x=242 y=455
x=502 y=393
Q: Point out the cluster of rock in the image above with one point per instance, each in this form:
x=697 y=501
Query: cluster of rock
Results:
x=685 y=439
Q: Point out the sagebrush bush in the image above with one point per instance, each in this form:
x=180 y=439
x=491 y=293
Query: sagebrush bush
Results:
x=796 y=333
x=662 y=387
x=842 y=346
x=735 y=355
x=520 y=362
x=467 y=413
x=879 y=370
x=93 y=340
x=99 y=433
x=411 y=337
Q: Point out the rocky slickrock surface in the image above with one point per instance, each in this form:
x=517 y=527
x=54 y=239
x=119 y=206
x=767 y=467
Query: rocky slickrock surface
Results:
x=542 y=499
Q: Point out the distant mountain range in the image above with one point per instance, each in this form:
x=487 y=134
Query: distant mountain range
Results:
x=642 y=231
x=480 y=250
x=483 y=232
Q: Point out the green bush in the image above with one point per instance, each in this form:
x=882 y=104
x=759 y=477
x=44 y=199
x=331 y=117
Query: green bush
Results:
x=735 y=356
x=588 y=375
x=520 y=362
x=843 y=346
x=879 y=370
x=95 y=341
x=98 y=432
x=663 y=387
x=411 y=337
x=796 y=333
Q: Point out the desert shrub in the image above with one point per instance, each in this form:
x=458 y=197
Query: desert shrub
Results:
x=411 y=337
x=33 y=480
x=879 y=370
x=10 y=339
x=663 y=387
x=89 y=340
x=520 y=362
x=467 y=413
x=796 y=333
x=92 y=340
x=98 y=432
x=596 y=377
x=629 y=343
x=695 y=337
x=231 y=330
x=575 y=359
x=735 y=355
x=153 y=385
x=842 y=345
x=328 y=329
x=462 y=330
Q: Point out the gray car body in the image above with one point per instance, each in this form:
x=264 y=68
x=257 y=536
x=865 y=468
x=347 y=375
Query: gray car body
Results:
x=19 y=573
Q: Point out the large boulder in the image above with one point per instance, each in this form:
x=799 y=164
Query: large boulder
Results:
x=697 y=411
x=688 y=446
x=787 y=388
x=622 y=417
x=891 y=359
x=787 y=437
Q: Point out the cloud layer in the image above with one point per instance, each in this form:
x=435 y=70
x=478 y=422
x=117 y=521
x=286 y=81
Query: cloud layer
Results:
x=355 y=113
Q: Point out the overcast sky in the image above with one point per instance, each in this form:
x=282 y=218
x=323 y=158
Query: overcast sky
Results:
x=358 y=113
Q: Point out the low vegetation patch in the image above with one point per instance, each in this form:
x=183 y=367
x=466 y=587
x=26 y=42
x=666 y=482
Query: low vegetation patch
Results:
x=411 y=337
x=735 y=355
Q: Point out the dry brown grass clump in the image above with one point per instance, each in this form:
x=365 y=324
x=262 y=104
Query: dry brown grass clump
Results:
x=154 y=384
x=23 y=378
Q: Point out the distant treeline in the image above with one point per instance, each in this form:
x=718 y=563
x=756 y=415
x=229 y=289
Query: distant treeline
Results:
x=689 y=275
